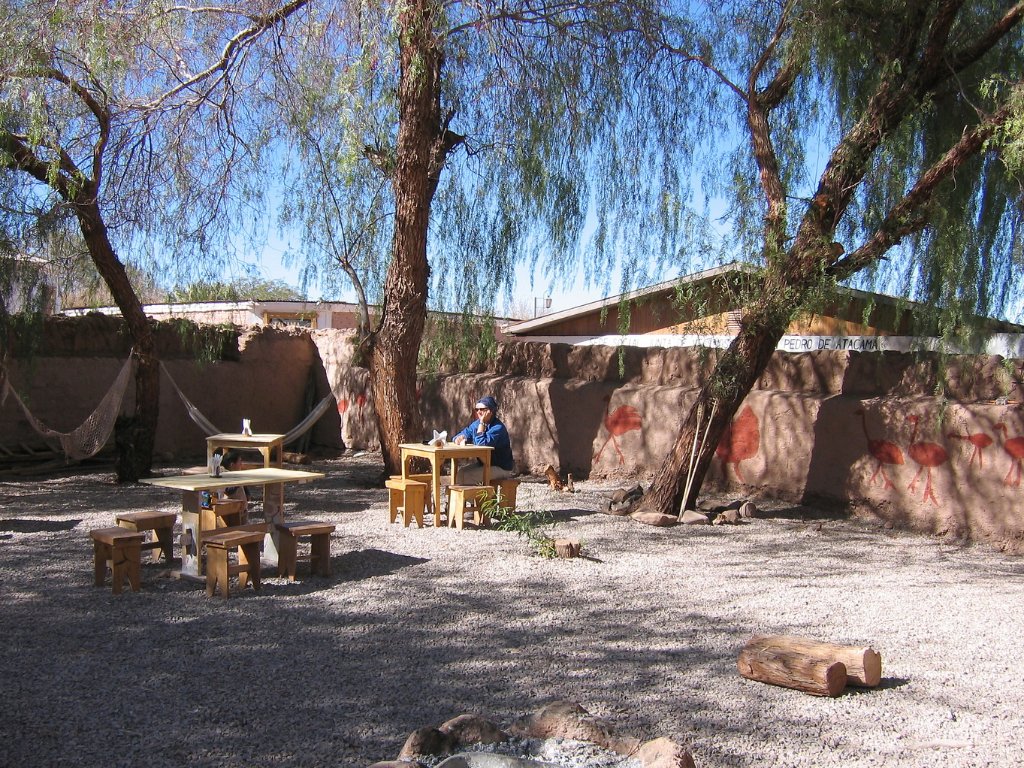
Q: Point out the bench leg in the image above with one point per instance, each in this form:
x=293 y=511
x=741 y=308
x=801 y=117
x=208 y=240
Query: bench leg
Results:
x=286 y=556
x=124 y=562
x=133 y=562
x=100 y=555
x=166 y=549
x=216 y=571
x=249 y=558
x=394 y=502
x=320 y=554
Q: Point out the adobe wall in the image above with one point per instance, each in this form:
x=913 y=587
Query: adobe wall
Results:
x=822 y=427
x=265 y=375
x=834 y=428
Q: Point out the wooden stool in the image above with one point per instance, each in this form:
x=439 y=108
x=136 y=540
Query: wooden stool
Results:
x=162 y=526
x=506 y=491
x=123 y=548
x=459 y=496
x=218 y=571
x=406 y=497
x=230 y=512
x=428 y=480
x=319 y=547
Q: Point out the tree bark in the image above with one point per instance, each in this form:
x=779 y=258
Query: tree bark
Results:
x=863 y=664
x=423 y=144
x=767 y=661
x=136 y=435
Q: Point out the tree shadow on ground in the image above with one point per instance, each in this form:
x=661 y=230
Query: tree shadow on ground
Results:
x=20 y=525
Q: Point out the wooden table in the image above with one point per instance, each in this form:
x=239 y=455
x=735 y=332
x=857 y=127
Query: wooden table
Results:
x=437 y=455
x=193 y=522
x=265 y=444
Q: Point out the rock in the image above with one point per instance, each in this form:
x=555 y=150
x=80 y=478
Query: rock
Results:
x=473 y=729
x=619 y=511
x=748 y=509
x=398 y=764
x=568 y=720
x=654 y=518
x=486 y=760
x=664 y=753
x=691 y=517
x=427 y=742
x=728 y=517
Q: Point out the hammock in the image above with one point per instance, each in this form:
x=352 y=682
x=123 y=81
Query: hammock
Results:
x=193 y=412
x=92 y=434
x=210 y=429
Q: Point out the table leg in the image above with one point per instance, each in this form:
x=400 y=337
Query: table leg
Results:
x=435 y=471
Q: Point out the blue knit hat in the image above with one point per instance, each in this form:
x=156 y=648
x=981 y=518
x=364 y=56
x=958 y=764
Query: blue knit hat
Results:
x=487 y=402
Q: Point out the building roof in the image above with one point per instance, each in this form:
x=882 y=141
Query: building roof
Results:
x=654 y=320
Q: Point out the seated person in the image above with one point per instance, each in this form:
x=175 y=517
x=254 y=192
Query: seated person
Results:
x=488 y=429
x=233 y=461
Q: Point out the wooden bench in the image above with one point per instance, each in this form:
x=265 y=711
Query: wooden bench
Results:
x=462 y=496
x=506 y=489
x=218 y=570
x=123 y=548
x=406 y=498
x=319 y=547
x=162 y=526
x=226 y=513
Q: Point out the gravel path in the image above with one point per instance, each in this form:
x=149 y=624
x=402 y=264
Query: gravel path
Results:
x=417 y=626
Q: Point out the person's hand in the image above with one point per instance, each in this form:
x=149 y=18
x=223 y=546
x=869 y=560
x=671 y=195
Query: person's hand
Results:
x=459 y=440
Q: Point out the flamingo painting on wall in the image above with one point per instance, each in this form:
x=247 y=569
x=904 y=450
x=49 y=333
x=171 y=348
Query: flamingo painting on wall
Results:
x=623 y=419
x=928 y=456
x=740 y=441
x=884 y=452
x=1014 y=448
x=979 y=440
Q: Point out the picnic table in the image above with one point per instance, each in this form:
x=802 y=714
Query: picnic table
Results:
x=437 y=455
x=194 y=523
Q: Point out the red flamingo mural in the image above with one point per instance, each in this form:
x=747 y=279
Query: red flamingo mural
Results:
x=623 y=419
x=927 y=456
x=740 y=441
x=882 y=451
x=979 y=440
x=1014 y=447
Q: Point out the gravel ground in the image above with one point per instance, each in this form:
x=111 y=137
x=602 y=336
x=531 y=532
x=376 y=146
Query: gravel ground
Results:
x=417 y=626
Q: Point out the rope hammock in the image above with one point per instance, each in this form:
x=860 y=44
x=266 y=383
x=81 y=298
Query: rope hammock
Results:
x=210 y=428
x=92 y=434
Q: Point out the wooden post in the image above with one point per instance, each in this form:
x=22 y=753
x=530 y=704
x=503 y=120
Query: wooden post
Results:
x=772 y=660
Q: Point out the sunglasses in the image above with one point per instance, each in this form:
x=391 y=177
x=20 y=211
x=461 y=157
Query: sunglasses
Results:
x=482 y=410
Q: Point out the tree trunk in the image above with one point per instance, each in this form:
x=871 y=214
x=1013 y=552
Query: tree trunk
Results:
x=730 y=382
x=423 y=143
x=135 y=436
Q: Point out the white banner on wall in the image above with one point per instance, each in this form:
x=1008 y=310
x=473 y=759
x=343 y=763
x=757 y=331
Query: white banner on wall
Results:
x=1008 y=345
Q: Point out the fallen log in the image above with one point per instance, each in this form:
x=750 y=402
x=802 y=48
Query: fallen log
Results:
x=863 y=665
x=768 y=660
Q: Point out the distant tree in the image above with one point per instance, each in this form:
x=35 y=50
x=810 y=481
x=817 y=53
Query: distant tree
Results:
x=243 y=289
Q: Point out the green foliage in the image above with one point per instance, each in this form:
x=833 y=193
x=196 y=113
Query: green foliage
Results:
x=527 y=523
x=243 y=289
x=457 y=343
x=206 y=343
